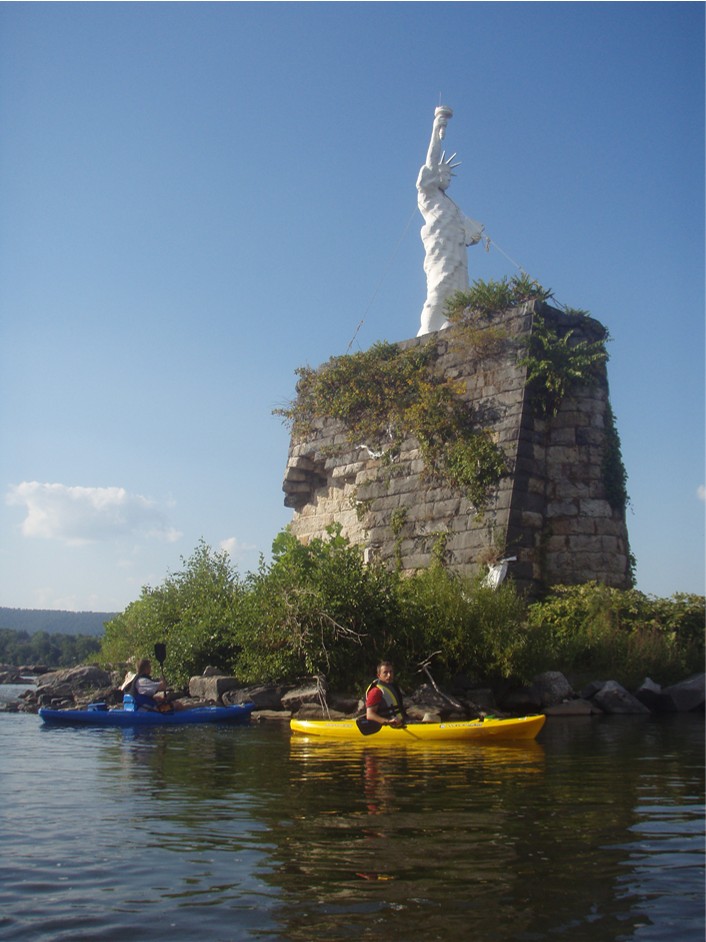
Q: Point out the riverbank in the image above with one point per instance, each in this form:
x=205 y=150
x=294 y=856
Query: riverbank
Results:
x=550 y=693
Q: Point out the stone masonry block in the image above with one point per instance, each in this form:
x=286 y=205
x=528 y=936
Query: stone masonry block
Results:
x=559 y=484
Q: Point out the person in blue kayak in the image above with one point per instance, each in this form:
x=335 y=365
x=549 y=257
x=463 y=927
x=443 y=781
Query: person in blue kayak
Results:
x=149 y=694
x=383 y=698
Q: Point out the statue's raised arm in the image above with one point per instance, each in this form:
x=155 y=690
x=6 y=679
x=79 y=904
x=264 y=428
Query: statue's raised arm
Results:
x=446 y=231
x=438 y=133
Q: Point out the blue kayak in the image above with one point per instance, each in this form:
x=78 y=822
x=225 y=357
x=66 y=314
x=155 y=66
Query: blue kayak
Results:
x=98 y=715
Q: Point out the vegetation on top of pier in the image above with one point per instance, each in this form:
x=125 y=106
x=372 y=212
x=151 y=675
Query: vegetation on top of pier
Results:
x=385 y=395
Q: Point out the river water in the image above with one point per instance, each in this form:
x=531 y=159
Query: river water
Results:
x=593 y=832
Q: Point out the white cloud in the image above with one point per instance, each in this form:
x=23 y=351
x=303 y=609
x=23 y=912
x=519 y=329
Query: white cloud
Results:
x=234 y=548
x=79 y=515
x=701 y=492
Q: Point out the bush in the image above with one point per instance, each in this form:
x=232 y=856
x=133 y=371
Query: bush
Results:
x=476 y=630
x=319 y=609
x=194 y=612
x=592 y=629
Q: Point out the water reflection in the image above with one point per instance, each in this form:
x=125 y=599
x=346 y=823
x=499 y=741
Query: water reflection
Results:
x=494 y=842
x=594 y=833
x=382 y=772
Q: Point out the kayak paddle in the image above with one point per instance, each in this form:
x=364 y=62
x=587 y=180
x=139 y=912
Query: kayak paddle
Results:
x=160 y=652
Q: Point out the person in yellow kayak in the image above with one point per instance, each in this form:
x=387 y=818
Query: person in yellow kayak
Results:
x=383 y=698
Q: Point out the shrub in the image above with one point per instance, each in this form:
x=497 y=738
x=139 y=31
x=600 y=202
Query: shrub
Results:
x=624 y=635
x=318 y=609
x=194 y=612
x=476 y=630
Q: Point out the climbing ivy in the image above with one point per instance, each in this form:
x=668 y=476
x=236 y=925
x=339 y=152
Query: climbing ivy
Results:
x=386 y=394
x=555 y=361
x=614 y=474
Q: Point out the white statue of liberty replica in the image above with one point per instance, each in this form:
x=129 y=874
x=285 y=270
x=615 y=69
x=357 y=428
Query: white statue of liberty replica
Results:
x=446 y=231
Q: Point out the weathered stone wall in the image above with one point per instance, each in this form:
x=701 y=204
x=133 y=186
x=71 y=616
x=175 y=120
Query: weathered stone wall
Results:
x=551 y=511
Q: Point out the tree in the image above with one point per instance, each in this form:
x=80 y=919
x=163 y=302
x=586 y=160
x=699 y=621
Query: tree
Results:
x=194 y=612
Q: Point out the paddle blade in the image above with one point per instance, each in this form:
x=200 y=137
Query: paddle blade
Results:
x=367 y=727
x=160 y=652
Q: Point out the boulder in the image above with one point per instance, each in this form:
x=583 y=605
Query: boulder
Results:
x=313 y=691
x=76 y=678
x=482 y=698
x=590 y=690
x=10 y=675
x=685 y=696
x=346 y=705
x=467 y=690
x=211 y=687
x=75 y=685
x=546 y=690
x=649 y=693
x=264 y=696
x=211 y=671
x=426 y=699
x=264 y=716
x=614 y=698
x=551 y=688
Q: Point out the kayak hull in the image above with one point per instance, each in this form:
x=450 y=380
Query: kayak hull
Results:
x=238 y=714
x=476 y=731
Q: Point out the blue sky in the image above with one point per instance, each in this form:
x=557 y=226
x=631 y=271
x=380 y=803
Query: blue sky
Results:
x=198 y=198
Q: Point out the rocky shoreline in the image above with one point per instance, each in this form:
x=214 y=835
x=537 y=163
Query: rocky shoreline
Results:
x=549 y=693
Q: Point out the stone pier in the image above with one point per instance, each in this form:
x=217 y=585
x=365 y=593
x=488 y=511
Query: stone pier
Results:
x=555 y=510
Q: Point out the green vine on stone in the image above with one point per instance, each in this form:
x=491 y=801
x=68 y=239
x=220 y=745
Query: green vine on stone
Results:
x=398 y=518
x=386 y=394
x=475 y=464
x=614 y=474
x=556 y=361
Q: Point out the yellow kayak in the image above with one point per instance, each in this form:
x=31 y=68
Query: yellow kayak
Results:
x=486 y=730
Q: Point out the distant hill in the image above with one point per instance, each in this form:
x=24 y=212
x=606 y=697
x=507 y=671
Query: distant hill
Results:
x=33 y=620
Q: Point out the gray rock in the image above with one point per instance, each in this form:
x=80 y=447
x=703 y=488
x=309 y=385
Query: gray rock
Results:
x=346 y=705
x=590 y=690
x=313 y=691
x=428 y=699
x=685 y=696
x=264 y=696
x=521 y=700
x=76 y=678
x=314 y=711
x=650 y=694
x=614 y=698
x=482 y=698
x=551 y=688
x=263 y=716
x=211 y=687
